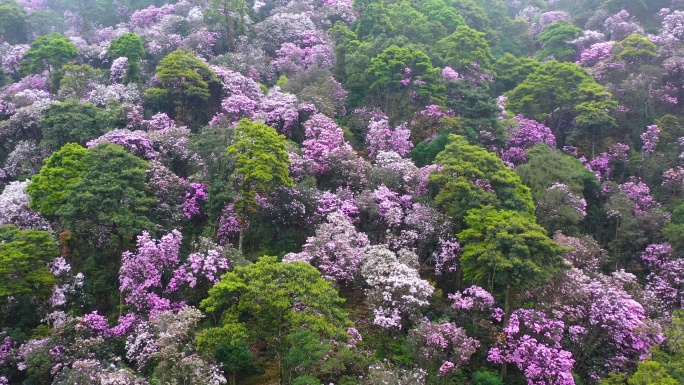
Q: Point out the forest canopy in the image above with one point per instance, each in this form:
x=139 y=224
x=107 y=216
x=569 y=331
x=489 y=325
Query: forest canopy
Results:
x=348 y=192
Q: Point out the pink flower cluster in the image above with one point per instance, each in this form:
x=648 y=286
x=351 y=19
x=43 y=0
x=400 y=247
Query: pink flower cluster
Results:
x=639 y=193
x=650 y=139
x=533 y=344
x=472 y=298
x=444 y=342
x=196 y=193
x=381 y=137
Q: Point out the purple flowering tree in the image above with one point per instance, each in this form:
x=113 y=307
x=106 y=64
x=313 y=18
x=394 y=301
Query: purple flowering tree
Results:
x=533 y=343
x=342 y=200
x=650 y=139
x=14 y=208
x=311 y=49
x=381 y=137
x=640 y=194
x=528 y=133
x=142 y=271
x=441 y=347
x=664 y=287
x=136 y=142
x=396 y=293
x=323 y=136
x=337 y=249
x=196 y=193
x=608 y=330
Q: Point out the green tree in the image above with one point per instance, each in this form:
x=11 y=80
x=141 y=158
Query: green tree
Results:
x=48 y=52
x=61 y=171
x=130 y=46
x=556 y=91
x=110 y=197
x=78 y=79
x=415 y=26
x=440 y=11
x=72 y=122
x=555 y=85
x=472 y=177
x=464 y=47
x=260 y=165
x=229 y=16
x=185 y=85
x=635 y=51
x=268 y=300
x=389 y=90
x=44 y=21
x=651 y=373
x=506 y=251
x=555 y=41
x=12 y=22
x=23 y=262
x=477 y=109
x=374 y=19
x=510 y=71
x=546 y=166
x=233 y=358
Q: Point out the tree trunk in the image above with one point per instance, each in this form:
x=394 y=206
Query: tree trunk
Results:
x=240 y=241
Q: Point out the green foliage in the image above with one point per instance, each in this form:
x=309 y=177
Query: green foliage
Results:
x=557 y=91
x=667 y=361
x=77 y=80
x=440 y=11
x=388 y=69
x=474 y=13
x=464 y=47
x=110 y=197
x=476 y=108
x=44 y=21
x=228 y=16
x=486 y=377
x=555 y=85
x=555 y=41
x=635 y=50
x=511 y=71
x=373 y=20
x=268 y=300
x=12 y=22
x=466 y=169
x=185 y=84
x=210 y=144
x=23 y=262
x=130 y=46
x=424 y=153
x=72 y=122
x=48 y=52
x=306 y=380
x=233 y=357
x=413 y=24
x=506 y=250
x=260 y=162
x=61 y=172
x=310 y=356
x=546 y=166
x=615 y=379
x=651 y=373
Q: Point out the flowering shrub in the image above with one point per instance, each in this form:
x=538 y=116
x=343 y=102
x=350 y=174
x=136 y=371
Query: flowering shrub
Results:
x=532 y=342
x=396 y=292
x=337 y=249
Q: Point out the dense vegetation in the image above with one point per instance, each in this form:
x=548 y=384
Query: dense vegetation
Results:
x=315 y=192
